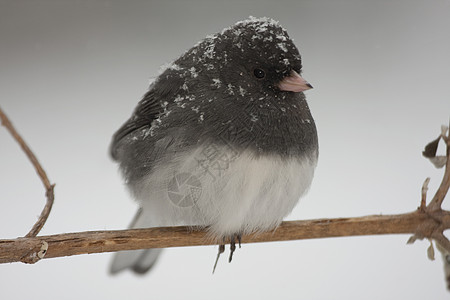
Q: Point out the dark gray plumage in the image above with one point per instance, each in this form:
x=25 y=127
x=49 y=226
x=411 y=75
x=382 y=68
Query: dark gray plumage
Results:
x=238 y=90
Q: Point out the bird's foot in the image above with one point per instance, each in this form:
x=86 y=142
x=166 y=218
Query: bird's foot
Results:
x=233 y=239
x=221 y=250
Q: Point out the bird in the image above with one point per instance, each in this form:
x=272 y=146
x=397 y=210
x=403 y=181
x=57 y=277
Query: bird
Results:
x=222 y=140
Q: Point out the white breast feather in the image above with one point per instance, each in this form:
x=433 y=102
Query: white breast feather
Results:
x=246 y=194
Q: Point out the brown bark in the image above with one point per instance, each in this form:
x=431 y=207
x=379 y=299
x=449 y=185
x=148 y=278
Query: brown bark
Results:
x=27 y=249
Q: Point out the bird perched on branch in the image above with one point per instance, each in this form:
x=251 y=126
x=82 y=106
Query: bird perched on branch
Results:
x=223 y=139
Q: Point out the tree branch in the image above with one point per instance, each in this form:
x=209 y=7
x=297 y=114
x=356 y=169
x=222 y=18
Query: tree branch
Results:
x=27 y=249
x=40 y=171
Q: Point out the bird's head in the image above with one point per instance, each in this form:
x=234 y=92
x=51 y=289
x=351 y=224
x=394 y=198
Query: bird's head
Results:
x=263 y=56
x=253 y=59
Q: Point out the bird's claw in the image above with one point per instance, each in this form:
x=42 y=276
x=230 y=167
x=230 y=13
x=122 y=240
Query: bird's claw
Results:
x=233 y=239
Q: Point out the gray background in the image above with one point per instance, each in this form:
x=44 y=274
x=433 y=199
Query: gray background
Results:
x=71 y=73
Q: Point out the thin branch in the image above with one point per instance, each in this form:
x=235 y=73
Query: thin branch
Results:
x=423 y=202
x=446 y=260
x=27 y=249
x=40 y=171
x=435 y=206
x=439 y=197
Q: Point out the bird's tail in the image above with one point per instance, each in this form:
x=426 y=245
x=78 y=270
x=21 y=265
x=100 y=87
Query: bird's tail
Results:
x=139 y=261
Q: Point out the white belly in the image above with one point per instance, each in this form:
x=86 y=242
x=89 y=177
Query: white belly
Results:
x=228 y=191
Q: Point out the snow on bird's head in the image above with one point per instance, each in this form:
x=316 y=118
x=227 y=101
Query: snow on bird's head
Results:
x=263 y=33
x=251 y=38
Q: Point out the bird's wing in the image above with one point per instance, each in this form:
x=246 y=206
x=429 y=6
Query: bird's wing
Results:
x=146 y=111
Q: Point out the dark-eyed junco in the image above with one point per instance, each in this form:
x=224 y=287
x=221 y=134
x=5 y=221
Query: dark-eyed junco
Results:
x=223 y=139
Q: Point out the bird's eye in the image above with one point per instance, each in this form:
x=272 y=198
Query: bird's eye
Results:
x=259 y=73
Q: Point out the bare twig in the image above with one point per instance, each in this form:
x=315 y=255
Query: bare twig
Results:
x=108 y=241
x=435 y=207
x=446 y=260
x=423 y=202
x=438 y=198
x=42 y=175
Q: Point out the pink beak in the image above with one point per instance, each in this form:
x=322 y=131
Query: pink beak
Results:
x=294 y=83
